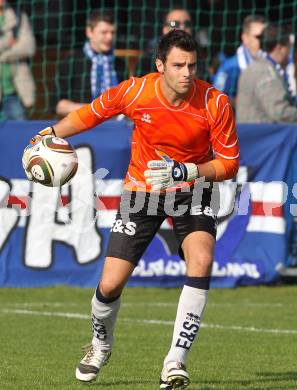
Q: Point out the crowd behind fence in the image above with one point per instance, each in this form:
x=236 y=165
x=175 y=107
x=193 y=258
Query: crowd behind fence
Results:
x=59 y=28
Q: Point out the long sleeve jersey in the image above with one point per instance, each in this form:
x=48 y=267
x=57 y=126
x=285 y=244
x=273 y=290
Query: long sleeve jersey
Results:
x=199 y=130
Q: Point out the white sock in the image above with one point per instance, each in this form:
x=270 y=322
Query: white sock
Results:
x=189 y=314
x=104 y=317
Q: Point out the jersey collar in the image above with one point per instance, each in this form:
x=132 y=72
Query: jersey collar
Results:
x=165 y=102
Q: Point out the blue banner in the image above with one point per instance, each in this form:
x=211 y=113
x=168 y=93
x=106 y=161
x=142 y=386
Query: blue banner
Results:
x=52 y=236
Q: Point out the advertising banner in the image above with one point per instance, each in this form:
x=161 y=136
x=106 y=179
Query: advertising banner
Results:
x=52 y=236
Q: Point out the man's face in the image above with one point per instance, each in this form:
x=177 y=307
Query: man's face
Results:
x=179 y=70
x=251 y=38
x=101 y=36
x=179 y=20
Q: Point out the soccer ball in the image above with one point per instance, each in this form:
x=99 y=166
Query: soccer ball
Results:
x=52 y=161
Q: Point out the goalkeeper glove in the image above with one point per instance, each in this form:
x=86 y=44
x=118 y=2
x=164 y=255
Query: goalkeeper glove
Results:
x=167 y=172
x=33 y=141
x=42 y=133
x=25 y=161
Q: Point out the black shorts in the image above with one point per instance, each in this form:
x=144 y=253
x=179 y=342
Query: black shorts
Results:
x=141 y=214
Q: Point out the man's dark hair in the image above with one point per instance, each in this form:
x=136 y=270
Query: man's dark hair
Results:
x=248 y=20
x=97 y=16
x=274 y=35
x=175 y=38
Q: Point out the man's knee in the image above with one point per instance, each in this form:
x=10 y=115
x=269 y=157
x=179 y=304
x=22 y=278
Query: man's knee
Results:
x=115 y=275
x=199 y=264
x=109 y=289
x=198 y=253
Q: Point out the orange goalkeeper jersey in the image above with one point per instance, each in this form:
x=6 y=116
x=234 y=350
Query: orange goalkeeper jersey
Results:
x=199 y=130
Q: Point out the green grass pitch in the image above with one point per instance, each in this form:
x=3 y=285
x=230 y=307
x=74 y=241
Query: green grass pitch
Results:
x=248 y=341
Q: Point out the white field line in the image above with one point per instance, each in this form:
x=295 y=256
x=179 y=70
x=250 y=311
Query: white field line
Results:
x=46 y=313
x=143 y=304
x=39 y=304
x=223 y=304
x=144 y=321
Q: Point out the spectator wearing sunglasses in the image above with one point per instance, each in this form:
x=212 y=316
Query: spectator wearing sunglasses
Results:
x=175 y=19
x=227 y=76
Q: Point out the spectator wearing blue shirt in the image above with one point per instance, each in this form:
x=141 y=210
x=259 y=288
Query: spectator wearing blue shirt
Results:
x=227 y=75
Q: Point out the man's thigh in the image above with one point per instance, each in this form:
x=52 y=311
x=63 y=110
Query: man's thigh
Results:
x=115 y=275
x=198 y=248
x=199 y=218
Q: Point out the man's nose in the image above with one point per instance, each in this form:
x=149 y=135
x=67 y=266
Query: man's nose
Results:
x=186 y=72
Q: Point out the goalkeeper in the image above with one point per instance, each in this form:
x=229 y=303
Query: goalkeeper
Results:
x=184 y=130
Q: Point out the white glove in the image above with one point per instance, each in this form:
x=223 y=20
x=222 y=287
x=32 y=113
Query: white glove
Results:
x=48 y=131
x=167 y=172
x=25 y=161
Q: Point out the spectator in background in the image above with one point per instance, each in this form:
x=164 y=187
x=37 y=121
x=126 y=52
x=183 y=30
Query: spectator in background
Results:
x=87 y=72
x=227 y=75
x=263 y=91
x=175 y=19
x=17 y=45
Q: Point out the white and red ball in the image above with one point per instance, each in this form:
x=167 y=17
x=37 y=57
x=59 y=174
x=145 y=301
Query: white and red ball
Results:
x=52 y=161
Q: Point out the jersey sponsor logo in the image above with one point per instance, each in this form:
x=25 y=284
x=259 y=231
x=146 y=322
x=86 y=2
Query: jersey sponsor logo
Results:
x=119 y=227
x=146 y=118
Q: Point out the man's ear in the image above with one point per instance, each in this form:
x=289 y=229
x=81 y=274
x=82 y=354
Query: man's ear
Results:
x=159 y=65
x=88 y=32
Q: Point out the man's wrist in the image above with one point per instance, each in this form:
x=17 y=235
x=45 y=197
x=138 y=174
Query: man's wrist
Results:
x=192 y=171
x=53 y=131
